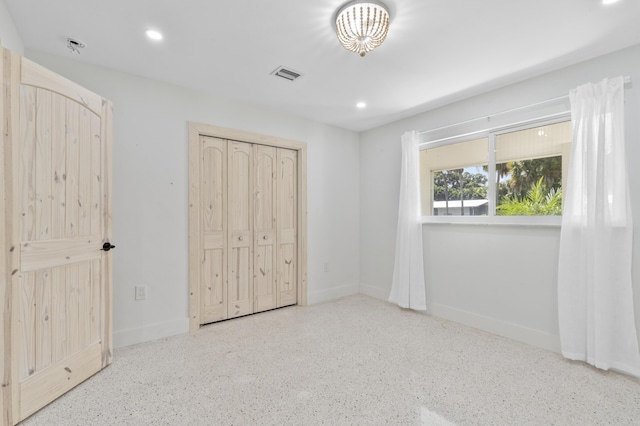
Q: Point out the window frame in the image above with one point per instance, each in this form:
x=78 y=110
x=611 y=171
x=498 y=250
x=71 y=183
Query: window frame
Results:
x=491 y=133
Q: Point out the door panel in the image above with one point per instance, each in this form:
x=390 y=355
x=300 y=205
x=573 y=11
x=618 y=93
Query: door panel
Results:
x=27 y=320
x=51 y=381
x=213 y=300
x=287 y=218
x=240 y=229
x=27 y=173
x=214 y=290
x=71 y=175
x=59 y=167
x=264 y=284
x=61 y=209
x=43 y=185
x=43 y=317
x=240 y=290
x=59 y=313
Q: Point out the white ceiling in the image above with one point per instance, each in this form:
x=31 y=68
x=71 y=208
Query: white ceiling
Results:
x=437 y=51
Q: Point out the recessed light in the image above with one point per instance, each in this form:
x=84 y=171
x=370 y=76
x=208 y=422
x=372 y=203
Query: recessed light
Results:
x=609 y=1
x=153 y=34
x=361 y=105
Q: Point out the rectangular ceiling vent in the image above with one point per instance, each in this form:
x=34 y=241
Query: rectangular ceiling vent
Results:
x=286 y=73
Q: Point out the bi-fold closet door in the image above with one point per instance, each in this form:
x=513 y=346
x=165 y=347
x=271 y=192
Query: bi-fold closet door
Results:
x=248 y=197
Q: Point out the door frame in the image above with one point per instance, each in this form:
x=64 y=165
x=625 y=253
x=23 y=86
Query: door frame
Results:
x=196 y=130
x=6 y=416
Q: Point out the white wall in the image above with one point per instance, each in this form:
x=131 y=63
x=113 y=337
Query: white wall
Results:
x=353 y=196
x=9 y=36
x=150 y=193
x=498 y=278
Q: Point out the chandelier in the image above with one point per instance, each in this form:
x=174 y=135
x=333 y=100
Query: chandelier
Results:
x=361 y=26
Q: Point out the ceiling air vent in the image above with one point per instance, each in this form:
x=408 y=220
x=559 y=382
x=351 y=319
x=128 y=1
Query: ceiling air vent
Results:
x=286 y=73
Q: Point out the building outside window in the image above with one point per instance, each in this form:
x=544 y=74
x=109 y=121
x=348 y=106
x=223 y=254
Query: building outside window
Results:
x=507 y=172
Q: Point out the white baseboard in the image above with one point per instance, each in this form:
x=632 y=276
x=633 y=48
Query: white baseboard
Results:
x=516 y=332
x=332 y=293
x=501 y=328
x=150 y=332
x=132 y=336
x=375 y=292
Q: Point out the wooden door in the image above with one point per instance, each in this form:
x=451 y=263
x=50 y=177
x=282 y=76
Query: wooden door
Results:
x=287 y=228
x=240 y=229
x=60 y=219
x=247 y=223
x=264 y=211
x=213 y=185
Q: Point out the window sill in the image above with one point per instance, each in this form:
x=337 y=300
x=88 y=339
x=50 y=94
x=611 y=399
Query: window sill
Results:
x=553 y=221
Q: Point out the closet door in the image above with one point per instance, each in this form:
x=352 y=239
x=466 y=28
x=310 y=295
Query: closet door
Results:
x=265 y=206
x=240 y=229
x=213 y=186
x=287 y=218
x=61 y=282
x=247 y=232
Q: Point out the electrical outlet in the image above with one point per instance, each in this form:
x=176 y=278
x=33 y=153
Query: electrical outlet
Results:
x=141 y=292
x=326 y=267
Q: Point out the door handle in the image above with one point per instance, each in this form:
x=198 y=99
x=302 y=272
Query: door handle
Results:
x=107 y=246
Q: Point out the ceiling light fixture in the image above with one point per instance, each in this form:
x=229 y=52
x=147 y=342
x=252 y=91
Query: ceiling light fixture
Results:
x=153 y=34
x=361 y=26
x=609 y=1
x=361 y=105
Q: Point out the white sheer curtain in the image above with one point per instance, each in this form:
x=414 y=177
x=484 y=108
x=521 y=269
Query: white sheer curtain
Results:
x=595 y=300
x=407 y=288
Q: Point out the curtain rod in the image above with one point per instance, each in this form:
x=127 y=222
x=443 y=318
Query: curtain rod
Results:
x=627 y=80
x=439 y=142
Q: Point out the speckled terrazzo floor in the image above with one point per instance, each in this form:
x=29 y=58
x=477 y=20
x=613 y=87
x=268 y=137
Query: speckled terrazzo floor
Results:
x=354 y=361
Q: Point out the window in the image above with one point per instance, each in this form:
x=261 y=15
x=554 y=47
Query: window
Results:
x=506 y=172
x=453 y=179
